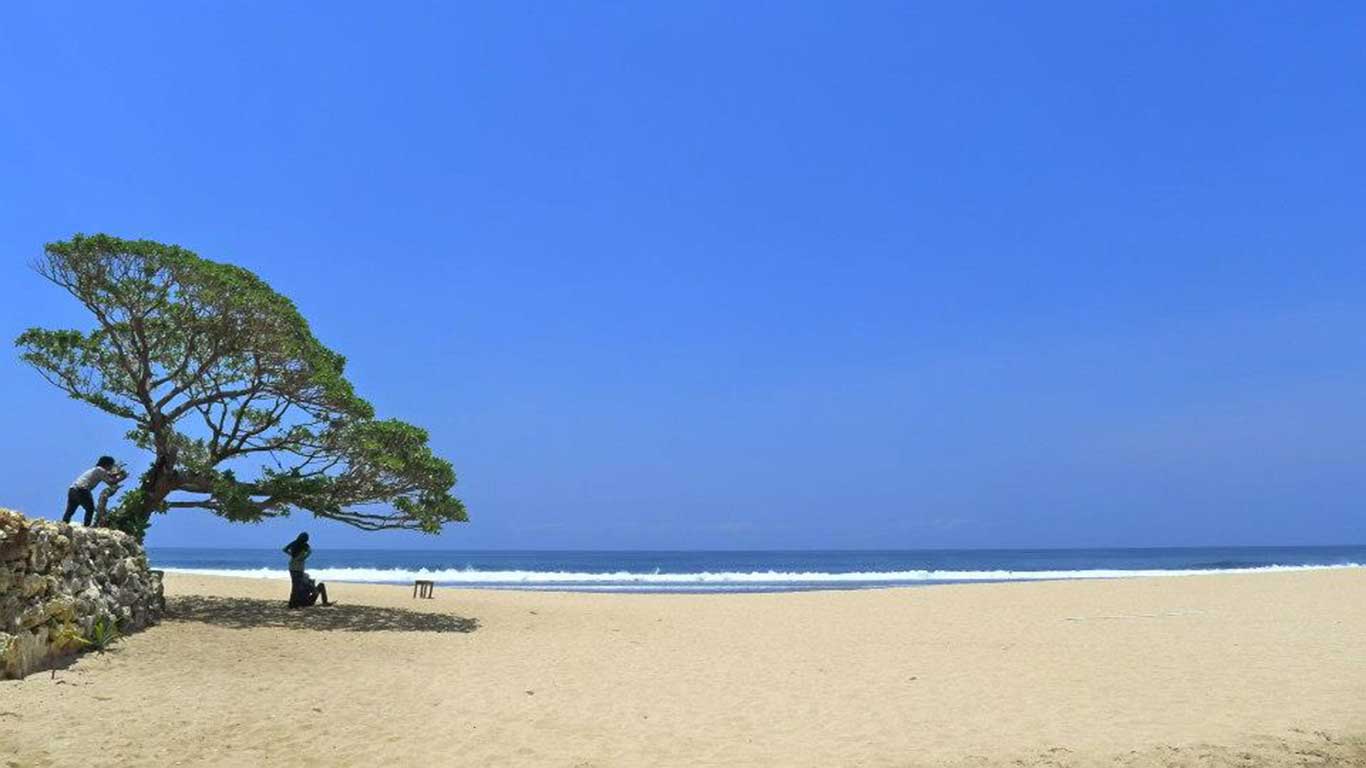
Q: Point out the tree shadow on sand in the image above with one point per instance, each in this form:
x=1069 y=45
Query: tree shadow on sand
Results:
x=248 y=613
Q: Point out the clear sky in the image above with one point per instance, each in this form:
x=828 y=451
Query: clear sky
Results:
x=719 y=274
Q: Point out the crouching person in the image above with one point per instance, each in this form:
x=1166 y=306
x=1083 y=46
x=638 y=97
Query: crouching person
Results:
x=306 y=592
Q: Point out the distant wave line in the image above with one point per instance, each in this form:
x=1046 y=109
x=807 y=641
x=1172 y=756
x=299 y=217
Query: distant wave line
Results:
x=471 y=577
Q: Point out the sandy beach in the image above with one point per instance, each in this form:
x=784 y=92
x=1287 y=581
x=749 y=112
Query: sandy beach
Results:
x=1238 y=670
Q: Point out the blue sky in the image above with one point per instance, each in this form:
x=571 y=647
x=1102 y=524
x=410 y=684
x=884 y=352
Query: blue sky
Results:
x=747 y=275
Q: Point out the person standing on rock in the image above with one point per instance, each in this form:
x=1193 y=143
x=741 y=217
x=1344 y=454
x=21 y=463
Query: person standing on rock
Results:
x=79 y=494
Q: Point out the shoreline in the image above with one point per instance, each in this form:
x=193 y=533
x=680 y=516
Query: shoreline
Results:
x=724 y=583
x=1134 y=672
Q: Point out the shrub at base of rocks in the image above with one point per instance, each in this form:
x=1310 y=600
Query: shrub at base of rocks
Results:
x=55 y=577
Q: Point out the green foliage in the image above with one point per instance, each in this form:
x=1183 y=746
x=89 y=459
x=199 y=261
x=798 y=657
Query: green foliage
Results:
x=133 y=515
x=217 y=372
x=103 y=635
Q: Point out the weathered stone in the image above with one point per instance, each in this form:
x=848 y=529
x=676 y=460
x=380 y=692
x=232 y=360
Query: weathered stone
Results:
x=9 y=611
x=34 y=614
x=26 y=651
x=32 y=585
x=52 y=574
x=120 y=572
x=22 y=652
x=15 y=544
x=60 y=609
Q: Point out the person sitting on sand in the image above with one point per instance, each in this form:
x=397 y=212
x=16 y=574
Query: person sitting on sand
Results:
x=303 y=591
x=79 y=494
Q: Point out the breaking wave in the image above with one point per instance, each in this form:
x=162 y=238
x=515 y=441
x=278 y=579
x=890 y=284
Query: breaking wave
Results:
x=715 y=581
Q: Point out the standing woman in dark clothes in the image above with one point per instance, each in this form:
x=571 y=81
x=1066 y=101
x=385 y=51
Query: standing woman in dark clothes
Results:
x=303 y=592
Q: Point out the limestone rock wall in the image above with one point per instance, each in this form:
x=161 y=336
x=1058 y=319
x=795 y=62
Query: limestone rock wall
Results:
x=53 y=575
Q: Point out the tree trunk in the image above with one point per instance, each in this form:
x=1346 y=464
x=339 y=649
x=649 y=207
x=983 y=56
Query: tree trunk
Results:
x=159 y=482
x=156 y=485
x=102 y=506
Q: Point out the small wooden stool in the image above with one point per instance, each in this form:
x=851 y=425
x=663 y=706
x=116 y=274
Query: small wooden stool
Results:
x=423 y=588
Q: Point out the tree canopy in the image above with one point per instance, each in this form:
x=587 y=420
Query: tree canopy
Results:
x=217 y=372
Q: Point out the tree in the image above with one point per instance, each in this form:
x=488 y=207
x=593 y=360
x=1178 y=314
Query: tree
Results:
x=217 y=372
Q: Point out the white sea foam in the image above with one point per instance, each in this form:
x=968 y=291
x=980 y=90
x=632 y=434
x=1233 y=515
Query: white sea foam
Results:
x=624 y=580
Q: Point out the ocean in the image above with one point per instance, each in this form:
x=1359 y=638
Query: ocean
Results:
x=756 y=571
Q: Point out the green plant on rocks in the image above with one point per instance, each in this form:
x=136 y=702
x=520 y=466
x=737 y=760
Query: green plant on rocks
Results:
x=103 y=635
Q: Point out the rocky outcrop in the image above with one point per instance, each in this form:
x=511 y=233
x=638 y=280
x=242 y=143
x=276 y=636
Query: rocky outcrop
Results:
x=56 y=580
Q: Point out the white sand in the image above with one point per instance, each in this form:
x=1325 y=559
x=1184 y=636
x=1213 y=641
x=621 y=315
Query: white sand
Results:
x=1236 y=670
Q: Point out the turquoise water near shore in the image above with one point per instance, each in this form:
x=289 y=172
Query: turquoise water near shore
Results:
x=747 y=571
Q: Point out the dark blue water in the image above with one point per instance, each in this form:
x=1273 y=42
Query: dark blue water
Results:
x=749 y=571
